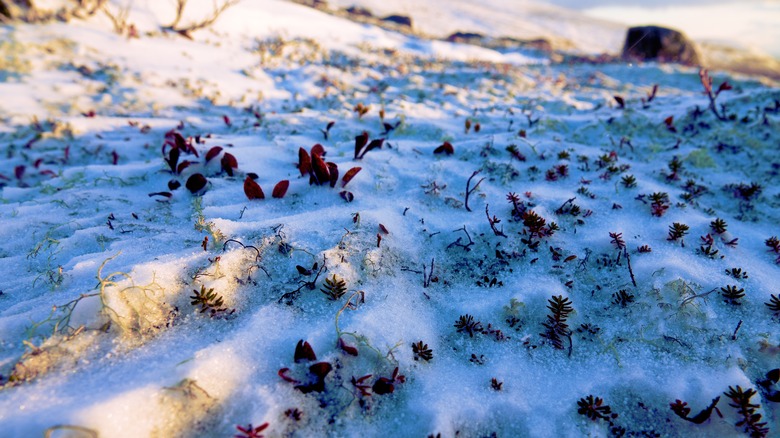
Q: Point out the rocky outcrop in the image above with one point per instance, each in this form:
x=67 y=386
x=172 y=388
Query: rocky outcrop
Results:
x=465 y=37
x=359 y=11
x=400 y=20
x=656 y=43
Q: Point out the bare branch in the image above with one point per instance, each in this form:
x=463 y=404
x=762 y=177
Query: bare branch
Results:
x=470 y=190
x=186 y=30
x=427 y=276
x=462 y=245
x=630 y=270
x=118 y=18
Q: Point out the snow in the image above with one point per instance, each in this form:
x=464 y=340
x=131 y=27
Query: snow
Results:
x=98 y=330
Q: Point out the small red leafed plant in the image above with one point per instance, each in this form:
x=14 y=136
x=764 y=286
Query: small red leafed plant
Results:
x=315 y=378
x=362 y=145
x=249 y=431
x=323 y=172
x=706 y=82
x=445 y=148
x=381 y=386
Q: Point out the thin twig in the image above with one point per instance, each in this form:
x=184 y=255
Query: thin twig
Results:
x=470 y=190
x=427 y=278
x=694 y=296
x=224 y=247
x=206 y=22
x=457 y=242
x=630 y=271
x=734 y=336
x=290 y=296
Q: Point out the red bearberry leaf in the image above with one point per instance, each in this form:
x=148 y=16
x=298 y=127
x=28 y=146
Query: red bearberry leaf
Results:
x=252 y=189
x=375 y=144
x=352 y=351
x=283 y=374
x=183 y=165
x=318 y=149
x=304 y=352
x=229 y=163
x=320 y=172
x=280 y=189
x=382 y=386
x=333 y=170
x=166 y=195
x=173 y=159
x=321 y=369
x=304 y=161
x=213 y=152
x=196 y=183
x=445 y=148
x=349 y=175
x=360 y=142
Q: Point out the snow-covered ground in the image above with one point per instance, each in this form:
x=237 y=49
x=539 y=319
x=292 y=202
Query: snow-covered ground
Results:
x=529 y=237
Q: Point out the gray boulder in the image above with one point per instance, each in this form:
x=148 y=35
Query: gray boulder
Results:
x=656 y=43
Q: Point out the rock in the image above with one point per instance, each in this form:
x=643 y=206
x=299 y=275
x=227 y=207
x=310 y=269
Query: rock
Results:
x=359 y=11
x=655 y=43
x=401 y=20
x=4 y=10
x=465 y=37
x=540 y=44
x=316 y=4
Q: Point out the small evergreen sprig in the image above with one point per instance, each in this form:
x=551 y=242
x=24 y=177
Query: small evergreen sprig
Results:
x=518 y=206
x=732 y=294
x=555 y=326
x=774 y=304
x=622 y=298
x=421 y=351
x=595 y=409
x=536 y=226
x=773 y=243
x=208 y=300
x=751 y=421
x=467 y=324
x=334 y=287
x=718 y=226
x=745 y=192
x=682 y=410
x=707 y=246
x=677 y=231
x=659 y=203
x=675 y=166
x=617 y=240
x=737 y=273
x=628 y=181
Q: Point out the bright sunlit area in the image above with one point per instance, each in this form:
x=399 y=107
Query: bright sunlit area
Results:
x=742 y=23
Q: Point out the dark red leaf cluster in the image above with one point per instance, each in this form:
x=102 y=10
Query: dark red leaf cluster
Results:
x=315 y=378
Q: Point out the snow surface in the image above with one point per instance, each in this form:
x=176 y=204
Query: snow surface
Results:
x=526 y=19
x=97 y=326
